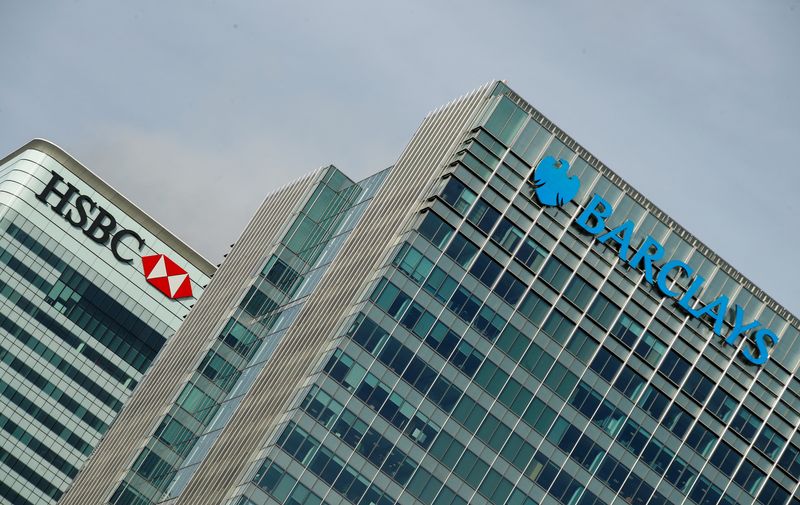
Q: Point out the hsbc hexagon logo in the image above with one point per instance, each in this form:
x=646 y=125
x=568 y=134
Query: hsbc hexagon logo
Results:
x=167 y=276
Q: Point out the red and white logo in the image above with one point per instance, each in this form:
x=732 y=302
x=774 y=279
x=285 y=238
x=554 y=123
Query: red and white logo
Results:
x=167 y=276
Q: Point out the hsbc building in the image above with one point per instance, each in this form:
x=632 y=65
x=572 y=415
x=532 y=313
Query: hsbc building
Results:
x=91 y=289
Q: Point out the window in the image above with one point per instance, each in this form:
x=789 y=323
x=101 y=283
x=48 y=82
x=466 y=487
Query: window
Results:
x=722 y=405
x=558 y=327
x=680 y=475
x=579 y=292
x=537 y=361
x=582 y=345
x=534 y=307
x=506 y=119
x=560 y=380
x=749 y=477
x=175 y=435
x=483 y=215
x=257 y=303
x=489 y=323
x=496 y=487
x=464 y=304
x=674 y=367
x=555 y=273
x=469 y=413
x=770 y=442
x=486 y=269
x=461 y=250
x=219 y=371
x=517 y=451
x=677 y=420
x=509 y=288
x=773 y=494
x=612 y=472
x=603 y=310
x=790 y=461
x=587 y=453
x=564 y=435
x=391 y=299
x=440 y=285
x=493 y=432
x=633 y=436
x=418 y=320
x=650 y=348
x=704 y=492
x=701 y=439
x=657 y=457
x=626 y=330
x=629 y=383
x=459 y=196
x=446 y=449
x=606 y=365
x=725 y=458
x=412 y=263
x=491 y=378
x=512 y=342
x=609 y=418
x=281 y=275
x=746 y=424
x=507 y=235
x=585 y=399
x=482 y=153
x=435 y=229
x=539 y=416
x=197 y=403
x=466 y=358
x=654 y=402
x=531 y=254
x=698 y=386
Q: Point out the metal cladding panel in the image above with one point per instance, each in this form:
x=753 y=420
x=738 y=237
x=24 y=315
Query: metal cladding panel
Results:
x=159 y=388
x=388 y=215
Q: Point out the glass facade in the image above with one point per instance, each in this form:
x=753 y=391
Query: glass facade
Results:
x=247 y=340
x=498 y=355
x=75 y=339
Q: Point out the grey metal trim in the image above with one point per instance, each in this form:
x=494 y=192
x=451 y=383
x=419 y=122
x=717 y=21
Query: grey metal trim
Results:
x=112 y=195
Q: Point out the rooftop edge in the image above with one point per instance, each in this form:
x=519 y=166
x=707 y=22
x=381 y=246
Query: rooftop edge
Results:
x=115 y=197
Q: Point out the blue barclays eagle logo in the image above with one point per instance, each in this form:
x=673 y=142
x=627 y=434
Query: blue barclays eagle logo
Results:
x=550 y=181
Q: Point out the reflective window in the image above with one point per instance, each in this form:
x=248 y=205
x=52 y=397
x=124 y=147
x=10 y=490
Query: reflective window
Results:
x=435 y=229
x=701 y=439
x=749 y=477
x=746 y=424
x=461 y=250
x=507 y=235
x=458 y=195
x=770 y=442
x=483 y=215
x=650 y=348
x=531 y=253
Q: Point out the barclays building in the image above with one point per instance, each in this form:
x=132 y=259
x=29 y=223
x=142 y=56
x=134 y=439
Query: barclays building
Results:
x=498 y=318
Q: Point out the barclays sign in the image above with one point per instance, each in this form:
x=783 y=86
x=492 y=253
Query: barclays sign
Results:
x=553 y=187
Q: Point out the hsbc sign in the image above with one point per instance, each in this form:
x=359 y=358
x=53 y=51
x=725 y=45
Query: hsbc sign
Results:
x=102 y=228
x=94 y=220
x=167 y=276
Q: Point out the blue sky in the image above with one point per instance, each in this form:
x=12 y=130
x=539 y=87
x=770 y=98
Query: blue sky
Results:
x=196 y=110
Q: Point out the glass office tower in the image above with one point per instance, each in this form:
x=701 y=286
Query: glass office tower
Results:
x=463 y=328
x=79 y=322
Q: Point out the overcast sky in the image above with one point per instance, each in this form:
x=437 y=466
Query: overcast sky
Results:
x=195 y=110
